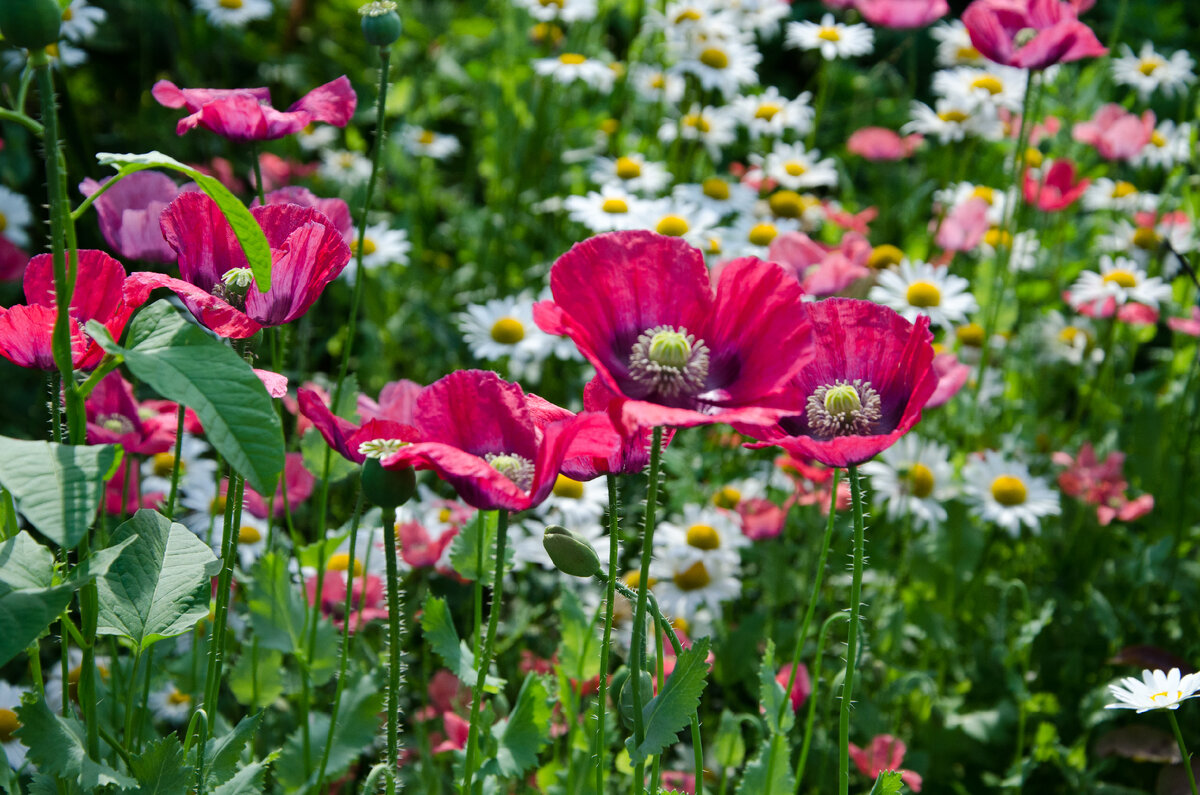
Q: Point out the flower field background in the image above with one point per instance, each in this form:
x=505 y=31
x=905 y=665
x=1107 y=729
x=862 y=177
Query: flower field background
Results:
x=594 y=396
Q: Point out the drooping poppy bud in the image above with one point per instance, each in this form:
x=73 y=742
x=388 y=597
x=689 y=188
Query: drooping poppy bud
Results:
x=570 y=552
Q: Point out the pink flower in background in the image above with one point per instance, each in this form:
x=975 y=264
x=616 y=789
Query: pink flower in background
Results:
x=351 y=441
x=1056 y=189
x=964 y=226
x=1030 y=34
x=1048 y=127
x=1116 y=133
x=1186 y=325
x=855 y=222
x=278 y=172
x=884 y=753
x=951 y=374
x=902 y=13
x=813 y=483
x=880 y=143
x=761 y=518
x=420 y=548
x=336 y=210
x=115 y=417
x=296 y=479
x=12 y=260
x=801 y=688
x=245 y=114
x=820 y=270
x=127 y=483
x=1101 y=483
x=366 y=598
x=129 y=213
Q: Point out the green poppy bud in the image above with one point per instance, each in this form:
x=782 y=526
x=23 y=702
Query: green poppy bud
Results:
x=32 y=24
x=625 y=700
x=387 y=488
x=570 y=551
x=380 y=22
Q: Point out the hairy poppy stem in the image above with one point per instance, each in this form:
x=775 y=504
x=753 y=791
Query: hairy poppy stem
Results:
x=852 y=643
x=609 y=594
x=638 y=646
x=395 y=651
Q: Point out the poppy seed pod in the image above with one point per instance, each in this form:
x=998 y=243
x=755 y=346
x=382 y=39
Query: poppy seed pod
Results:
x=387 y=488
x=380 y=23
x=571 y=552
x=32 y=24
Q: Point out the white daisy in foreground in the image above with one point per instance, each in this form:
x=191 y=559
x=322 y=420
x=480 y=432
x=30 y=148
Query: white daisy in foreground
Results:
x=954 y=45
x=344 y=166
x=420 y=142
x=504 y=327
x=571 y=66
x=676 y=218
x=80 y=20
x=794 y=167
x=234 y=13
x=14 y=749
x=918 y=288
x=609 y=209
x=381 y=246
x=1148 y=71
x=1120 y=279
x=559 y=10
x=684 y=584
x=577 y=504
x=833 y=39
x=913 y=477
x=703 y=533
x=1155 y=690
x=170 y=705
x=771 y=113
x=1003 y=491
x=15 y=217
x=633 y=172
x=721 y=65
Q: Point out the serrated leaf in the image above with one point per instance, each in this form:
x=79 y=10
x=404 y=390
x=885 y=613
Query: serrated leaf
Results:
x=160 y=769
x=464 y=549
x=223 y=754
x=443 y=638
x=357 y=726
x=57 y=746
x=771 y=694
x=249 y=234
x=888 y=783
x=524 y=733
x=257 y=682
x=160 y=586
x=767 y=774
x=28 y=601
x=247 y=781
x=57 y=487
x=181 y=362
x=578 y=652
x=677 y=701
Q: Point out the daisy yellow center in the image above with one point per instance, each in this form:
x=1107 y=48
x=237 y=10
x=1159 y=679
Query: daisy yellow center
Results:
x=795 y=168
x=380 y=448
x=1144 y=237
x=68 y=15
x=52 y=50
x=762 y=234
x=1009 y=490
x=176 y=698
x=989 y=83
x=1034 y=157
x=971 y=334
x=682 y=625
x=3 y=222
x=703 y=536
x=997 y=237
x=955 y=116
x=698 y=122
x=687 y=15
x=920 y=481
x=843 y=408
x=546 y=32
x=669 y=360
x=163 y=464
x=715 y=188
x=786 y=204
x=248 y=534
x=1071 y=335
x=571 y=58
x=1149 y=66
x=444 y=515
x=693 y=578
x=516 y=468
x=658 y=81
x=1121 y=278
x=1158 y=139
x=985 y=193
x=507 y=331
x=628 y=168
x=727 y=497
x=615 y=206
x=1123 y=189
x=230 y=4
x=767 y=111
x=368 y=247
x=426 y=137
x=217 y=506
x=8 y=725
x=714 y=58
x=829 y=34
x=547 y=3
x=714 y=245
x=633 y=578
x=609 y=126
x=672 y=226
x=967 y=54
x=923 y=294
x=340 y=561
x=568 y=488
x=884 y=256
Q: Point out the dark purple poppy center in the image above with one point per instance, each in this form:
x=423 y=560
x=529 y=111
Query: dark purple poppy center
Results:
x=843 y=408
x=669 y=361
x=519 y=469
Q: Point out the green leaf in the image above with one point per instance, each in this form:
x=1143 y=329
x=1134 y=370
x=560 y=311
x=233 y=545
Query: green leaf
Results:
x=57 y=487
x=278 y=610
x=758 y=780
x=57 y=746
x=257 y=683
x=160 y=769
x=730 y=746
x=888 y=783
x=160 y=586
x=677 y=701
x=357 y=726
x=249 y=233
x=224 y=753
x=524 y=733
x=29 y=602
x=24 y=563
x=181 y=362
x=578 y=652
x=464 y=549
x=771 y=694
x=248 y=780
x=456 y=655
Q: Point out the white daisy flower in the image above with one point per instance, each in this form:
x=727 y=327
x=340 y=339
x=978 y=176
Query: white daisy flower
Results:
x=1003 y=491
x=10 y=701
x=80 y=20
x=675 y=218
x=1119 y=195
x=1148 y=71
x=953 y=120
x=913 y=477
x=315 y=137
x=832 y=39
x=1070 y=341
x=796 y=168
x=382 y=246
x=1025 y=248
x=504 y=327
x=1120 y=279
x=197 y=473
x=633 y=172
x=751 y=235
x=761 y=16
x=736 y=492
x=772 y=114
x=1169 y=145
x=918 y=288
x=170 y=705
x=711 y=126
x=571 y=66
x=577 y=504
x=703 y=533
x=954 y=45
x=1155 y=690
x=656 y=85
x=720 y=65
x=15 y=217
x=718 y=195
x=994 y=87
x=54 y=681
x=559 y=10
x=609 y=209
x=685 y=585
x=252 y=541
x=961 y=192
x=234 y=13
x=693 y=20
x=344 y=167
x=420 y=142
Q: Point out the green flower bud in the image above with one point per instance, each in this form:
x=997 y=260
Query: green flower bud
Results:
x=570 y=551
x=625 y=700
x=380 y=22
x=32 y=24
x=387 y=488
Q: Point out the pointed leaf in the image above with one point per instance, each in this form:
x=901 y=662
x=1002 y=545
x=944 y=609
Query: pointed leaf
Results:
x=441 y=635
x=672 y=709
x=160 y=769
x=224 y=753
x=524 y=733
x=248 y=780
x=357 y=727
x=57 y=487
x=771 y=694
x=57 y=745
x=888 y=783
x=464 y=549
x=770 y=772
x=24 y=563
x=24 y=614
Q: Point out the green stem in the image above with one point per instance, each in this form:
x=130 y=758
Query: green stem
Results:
x=852 y=643
x=137 y=742
x=258 y=180
x=484 y=659
x=395 y=651
x=812 y=697
x=1187 y=759
x=638 y=648
x=229 y=542
x=609 y=594
x=823 y=80
x=130 y=691
x=21 y=119
x=176 y=467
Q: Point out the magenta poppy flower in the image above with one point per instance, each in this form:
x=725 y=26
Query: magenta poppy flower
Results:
x=366 y=598
x=1030 y=34
x=376 y=436
x=245 y=114
x=865 y=389
x=641 y=308
x=336 y=210
x=397 y=402
x=884 y=753
x=299 y=483
x=634 y=454
x=278 y=172
x=964 y=226
x=1057 y=188
x=115 y=417
x=880 y=143
x=25 y=331
x=493 y=443
x=801 y=687
x=129 y=213
x=307 y=253
x=902 y=13
x=1116 y=133
x=420 y=548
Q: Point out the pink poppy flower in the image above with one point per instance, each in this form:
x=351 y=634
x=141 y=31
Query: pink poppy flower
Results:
x=307 y=253
x=822 y=271
x=376 y=435
x=115 y=417
x=761 y=518
x=641 y=308
x=801 y=688
x=457 y=730
x=1046 y=128
x=366 y=598
x=1030 y=34
x=902 y=13
x=951 y=375
x=1124 y=509
x=1116 y=133
x=278 y=172
x=1101 y=483
x=129 y=213
x=634 y=454
x=25 y=331
x=880 y=143
x=336 y=210
x=298 y=481
x=1186 y=325
x=1056 y=189
x=245 y=114
x=420 y=548
x=12 y=260
x=813 y=483
x=865 y=389
x=884 y=753
x=491 y=442
x=964 y=226
x=397 y=402
x=859 y=222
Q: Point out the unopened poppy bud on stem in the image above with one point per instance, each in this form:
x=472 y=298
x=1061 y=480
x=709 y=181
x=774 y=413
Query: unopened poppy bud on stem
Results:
x=387 y=488
x=570 y=552
x=32 y=24
x=380 y=22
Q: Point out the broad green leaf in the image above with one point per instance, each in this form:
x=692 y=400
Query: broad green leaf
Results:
x=672 y=709
x=524 y=733
x=223 y=754
x=770 y=772
x=181 y=362
x=456 y=655
x=257 y=682
x=278 y=610
x=464 y=549
x=57 y=487
x=578 y=653
x=160 y=587
x=8 y=515
x=357 y=726
x=160 y=769
x=730 y=746
x=26 y=613
x=24 y=563
x=249 y=233
x=57 y=746
x=888 y=783
x=771 y=694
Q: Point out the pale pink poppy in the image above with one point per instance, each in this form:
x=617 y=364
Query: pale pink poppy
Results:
x=902 y=13
x=880 y=143
x=1116 y=133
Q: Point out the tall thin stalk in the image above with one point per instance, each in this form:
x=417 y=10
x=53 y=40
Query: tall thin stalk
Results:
x=395 y=650
x=638 y=646
x=852 y=643
x=609 y=594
